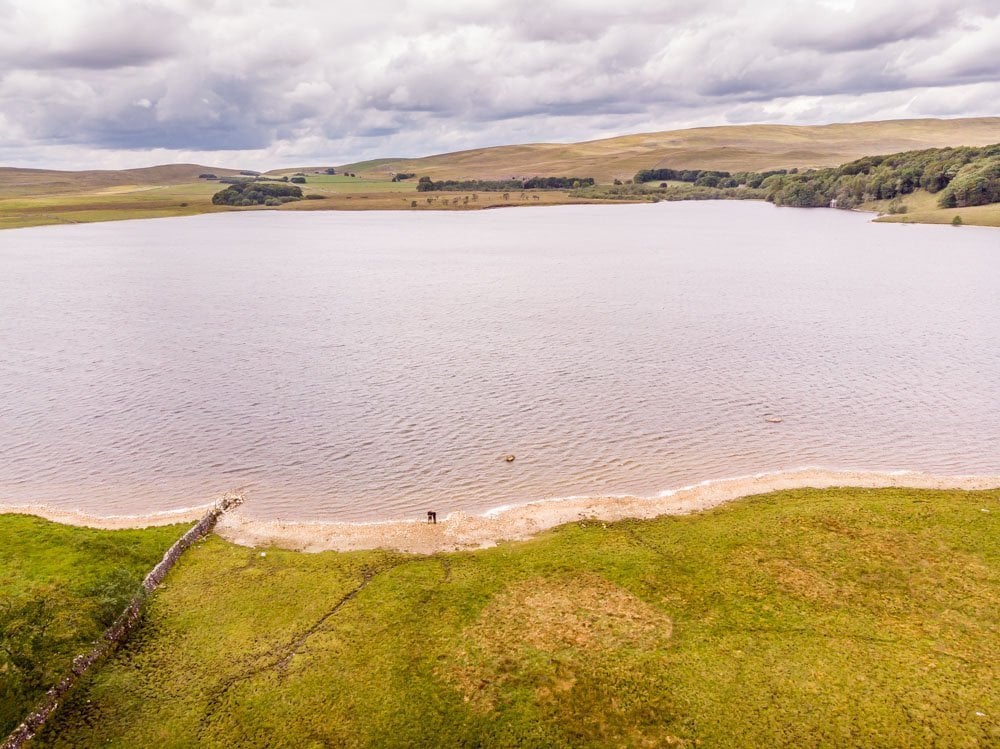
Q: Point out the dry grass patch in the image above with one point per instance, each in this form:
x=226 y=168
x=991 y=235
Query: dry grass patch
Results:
x=554 y=631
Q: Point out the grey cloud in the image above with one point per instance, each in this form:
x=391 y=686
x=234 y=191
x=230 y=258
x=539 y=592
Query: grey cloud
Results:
x=287 y=80
x=101 y=36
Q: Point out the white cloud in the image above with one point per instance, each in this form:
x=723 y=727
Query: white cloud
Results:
x=113 y=82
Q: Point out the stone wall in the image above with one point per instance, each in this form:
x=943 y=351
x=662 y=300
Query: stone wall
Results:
x=120 y=630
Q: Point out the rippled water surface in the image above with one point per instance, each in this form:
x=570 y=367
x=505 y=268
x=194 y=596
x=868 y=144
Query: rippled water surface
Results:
x=374 y=365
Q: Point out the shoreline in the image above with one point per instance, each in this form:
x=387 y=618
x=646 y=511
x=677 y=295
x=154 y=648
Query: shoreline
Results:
x=917 y=218
x=108 y=522
x=461 y=530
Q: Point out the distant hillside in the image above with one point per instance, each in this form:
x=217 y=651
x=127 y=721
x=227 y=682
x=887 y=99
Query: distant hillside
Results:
x=15 y=181
x=732 y=148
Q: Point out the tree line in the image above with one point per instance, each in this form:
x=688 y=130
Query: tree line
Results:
x=707 y=177
x=964 y=176
x=426 y=184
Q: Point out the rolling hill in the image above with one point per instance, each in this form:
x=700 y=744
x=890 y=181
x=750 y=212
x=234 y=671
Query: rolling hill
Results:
x=15 y=181
x=731 y=147
x=35 y=197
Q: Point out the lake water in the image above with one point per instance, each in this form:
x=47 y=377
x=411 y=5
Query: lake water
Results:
x=354 y=366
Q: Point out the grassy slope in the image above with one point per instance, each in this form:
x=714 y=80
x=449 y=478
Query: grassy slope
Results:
x=39 y=559
x=38 y=197
x=922 y=208
x=15 y=182
x=804 y=618
x=734 y=148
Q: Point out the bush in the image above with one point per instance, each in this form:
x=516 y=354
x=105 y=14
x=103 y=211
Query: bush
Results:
x=256 y=193
x=315 y=196
x=957 y=221
x=112 y=593
x=298 y=180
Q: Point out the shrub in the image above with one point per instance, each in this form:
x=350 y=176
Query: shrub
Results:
x=315 y=196
x=298 y=180
x=112 y=593
x=256 y=193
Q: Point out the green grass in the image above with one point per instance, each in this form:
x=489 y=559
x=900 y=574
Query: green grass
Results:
x=803 y=618
x=922 y=208
x=63 y=566
x=109 y=204
x=341 y=183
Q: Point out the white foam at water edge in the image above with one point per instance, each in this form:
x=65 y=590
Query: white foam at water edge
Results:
x=34 y=509
x=827 y=475
x=499 y=510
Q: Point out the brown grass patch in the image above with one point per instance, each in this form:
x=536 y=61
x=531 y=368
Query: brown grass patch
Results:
x=548 y=634
x=805 y=583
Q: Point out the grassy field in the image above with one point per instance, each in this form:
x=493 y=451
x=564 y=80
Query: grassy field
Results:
x=922 y=208
x=802 y=618
x=188 y=199
x=339 y=183
x=76 y=576
x=109 y=204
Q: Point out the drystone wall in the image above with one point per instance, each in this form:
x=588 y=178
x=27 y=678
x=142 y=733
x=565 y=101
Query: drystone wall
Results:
x=120 y=630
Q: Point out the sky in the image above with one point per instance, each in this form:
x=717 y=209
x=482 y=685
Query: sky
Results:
x=275 y=83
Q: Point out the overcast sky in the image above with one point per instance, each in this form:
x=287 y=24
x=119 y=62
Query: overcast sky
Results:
x=257 y=83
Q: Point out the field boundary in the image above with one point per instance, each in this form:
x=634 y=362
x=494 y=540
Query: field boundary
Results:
x=115 y=635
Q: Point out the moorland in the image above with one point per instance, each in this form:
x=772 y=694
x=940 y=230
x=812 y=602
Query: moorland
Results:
x=31 y=197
